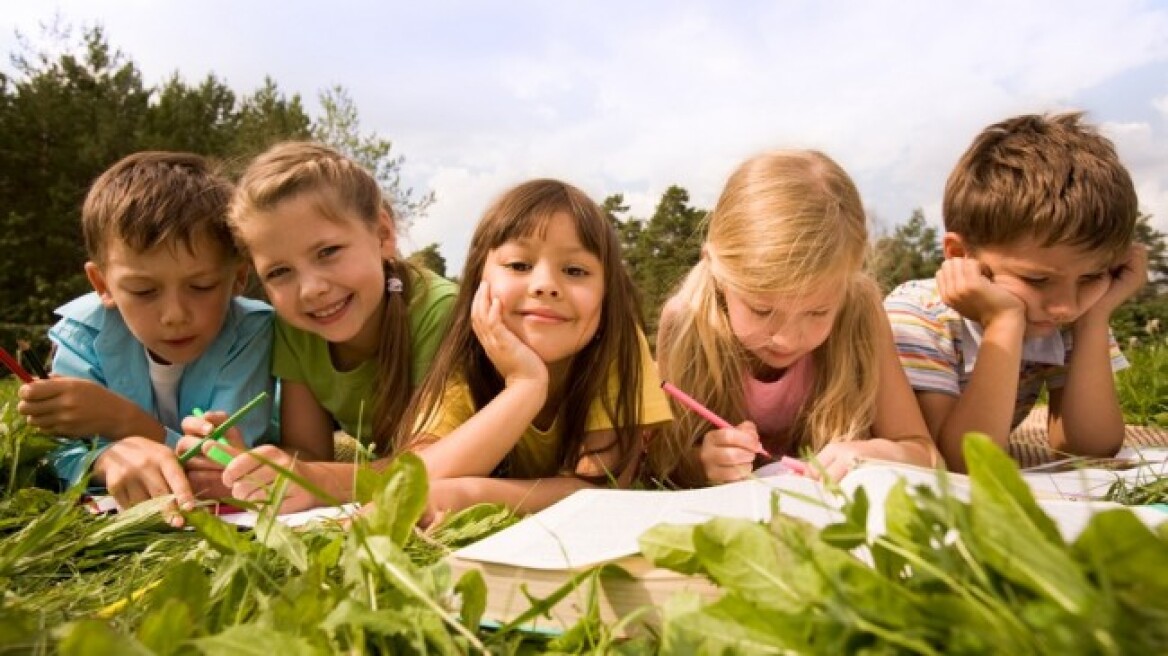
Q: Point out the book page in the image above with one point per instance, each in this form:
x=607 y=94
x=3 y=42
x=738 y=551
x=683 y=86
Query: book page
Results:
x=249 y=518
x=596 y=526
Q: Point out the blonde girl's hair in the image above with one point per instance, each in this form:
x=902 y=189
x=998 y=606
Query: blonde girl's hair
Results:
x=787 y=222
x=340 y=188
x=523 y=211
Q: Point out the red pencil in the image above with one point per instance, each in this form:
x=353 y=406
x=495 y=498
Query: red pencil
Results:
x=690 y=402
x=14 y=366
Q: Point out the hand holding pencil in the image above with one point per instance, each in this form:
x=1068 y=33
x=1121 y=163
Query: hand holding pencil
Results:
x=729 y=451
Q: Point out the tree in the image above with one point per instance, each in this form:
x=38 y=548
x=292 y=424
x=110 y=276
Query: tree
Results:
x=429 y=258
x=912 y=252
x=666 y=248
x=340 y=127
x=63 y=121
x=266 y=117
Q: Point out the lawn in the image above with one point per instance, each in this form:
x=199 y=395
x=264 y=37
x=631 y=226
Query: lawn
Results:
x=948 y=577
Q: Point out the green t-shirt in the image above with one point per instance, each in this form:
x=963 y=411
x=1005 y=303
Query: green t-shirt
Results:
x=303 y=357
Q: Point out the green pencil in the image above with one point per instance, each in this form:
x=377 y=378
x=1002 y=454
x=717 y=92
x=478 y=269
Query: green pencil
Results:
x=218 y=455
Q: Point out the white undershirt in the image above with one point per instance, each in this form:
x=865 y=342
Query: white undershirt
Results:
x=164 y=378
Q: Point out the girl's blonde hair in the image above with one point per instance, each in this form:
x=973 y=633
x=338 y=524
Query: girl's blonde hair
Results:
x=787 y=222
x=615 y=350
x=339 y=187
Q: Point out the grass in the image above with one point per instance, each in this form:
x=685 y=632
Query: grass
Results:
x=75 y=583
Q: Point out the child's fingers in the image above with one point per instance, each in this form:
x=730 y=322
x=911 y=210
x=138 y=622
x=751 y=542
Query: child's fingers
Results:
x=177 y=483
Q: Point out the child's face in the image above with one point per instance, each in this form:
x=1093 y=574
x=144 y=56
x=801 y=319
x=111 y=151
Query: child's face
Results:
x=551 y=289
x=322 y=275
x=779 y=329
x=1057 y=283
x=173 y=301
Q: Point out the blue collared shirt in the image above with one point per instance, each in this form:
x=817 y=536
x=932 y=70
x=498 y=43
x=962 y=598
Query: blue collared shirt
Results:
x=94 y=343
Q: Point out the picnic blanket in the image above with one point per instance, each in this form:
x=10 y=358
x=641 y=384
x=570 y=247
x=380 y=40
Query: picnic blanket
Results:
x=1030 y=447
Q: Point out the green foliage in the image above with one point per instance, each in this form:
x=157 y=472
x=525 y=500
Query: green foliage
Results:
x=990 y=576
x=1142 y=388
x=911 y=252
x=429 y=258
x=64 y=118
x=660 y=251
x=340 y=127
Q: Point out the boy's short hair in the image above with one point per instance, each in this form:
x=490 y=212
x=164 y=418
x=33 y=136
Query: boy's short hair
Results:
x=1050 y=177
x=153 y=197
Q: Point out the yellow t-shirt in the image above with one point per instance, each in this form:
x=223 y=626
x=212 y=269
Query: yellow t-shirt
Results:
x=534 y=455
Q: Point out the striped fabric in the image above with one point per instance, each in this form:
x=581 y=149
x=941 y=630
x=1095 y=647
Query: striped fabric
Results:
x=932 y=340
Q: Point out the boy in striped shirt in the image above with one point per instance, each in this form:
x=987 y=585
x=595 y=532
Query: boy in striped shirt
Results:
x=1039 y=218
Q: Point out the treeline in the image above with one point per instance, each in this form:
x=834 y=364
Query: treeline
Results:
x=64 y=118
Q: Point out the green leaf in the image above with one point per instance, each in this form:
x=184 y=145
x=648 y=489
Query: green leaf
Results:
x=166 y=628
x=223 y=537
x=254 y=640
x=671 y=546
x=401 y=503
x=741 y=556
x=281 y=539
x=1011 y=534
x=186 y=581
x=94 y=638
x=350 y=614
x=731 y=625
x=1125 y=553
x=472 y=590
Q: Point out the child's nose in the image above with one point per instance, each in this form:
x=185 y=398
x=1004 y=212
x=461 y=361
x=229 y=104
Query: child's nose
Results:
x=174 y=314
x=543 y=283
x=312 y=286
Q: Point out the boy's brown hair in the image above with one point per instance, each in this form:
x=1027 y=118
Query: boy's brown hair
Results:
x=1050 y=177
x=154 y=197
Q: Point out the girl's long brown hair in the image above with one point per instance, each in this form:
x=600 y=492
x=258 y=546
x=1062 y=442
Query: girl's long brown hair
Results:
x=615 y=351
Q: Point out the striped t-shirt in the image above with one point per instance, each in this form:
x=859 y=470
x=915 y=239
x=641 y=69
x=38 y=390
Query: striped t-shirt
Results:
x=938 y=347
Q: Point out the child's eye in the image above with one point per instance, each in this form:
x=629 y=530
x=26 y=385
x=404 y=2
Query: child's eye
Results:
x=575 y=271
x=205 y=287
x=518 y=265
x=141 y=293
x=327 y=252
x=759 y=312
x=1034 y=282
x=1094 y=277
x=274 y=274
x=818 y=314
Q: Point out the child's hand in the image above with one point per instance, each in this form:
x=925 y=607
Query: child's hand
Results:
x=75 y=407
x=727 y=454
x=446 y=495
x=964 y=286
x=1128 y=275
x=837 y=459
x=515 y=360
x=206 y=475
x=136 y=469
x=249 y=479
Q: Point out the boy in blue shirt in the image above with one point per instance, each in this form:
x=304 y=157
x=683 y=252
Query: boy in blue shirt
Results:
x=163 y=332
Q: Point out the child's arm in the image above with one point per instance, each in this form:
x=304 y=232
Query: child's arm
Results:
x=529 y=495
x=987 y=403
x=478 y=445
x=1085 y=417
x=76 y=407
x=898 y=429
x=306 y=428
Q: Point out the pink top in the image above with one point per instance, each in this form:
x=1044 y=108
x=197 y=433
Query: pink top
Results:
x=773 y=406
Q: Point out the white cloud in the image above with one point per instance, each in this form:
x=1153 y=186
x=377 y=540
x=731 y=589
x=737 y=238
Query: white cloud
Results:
x=634 y=97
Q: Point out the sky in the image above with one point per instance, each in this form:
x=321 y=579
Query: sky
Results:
x=632 y=97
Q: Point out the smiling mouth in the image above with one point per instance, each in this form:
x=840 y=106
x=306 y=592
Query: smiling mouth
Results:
x=542 y=316
x=326 y=312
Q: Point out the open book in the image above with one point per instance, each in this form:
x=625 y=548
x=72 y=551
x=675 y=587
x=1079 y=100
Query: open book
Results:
x=598 y=527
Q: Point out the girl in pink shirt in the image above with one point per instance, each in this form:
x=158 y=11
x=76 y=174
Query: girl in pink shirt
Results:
x=779 y=327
